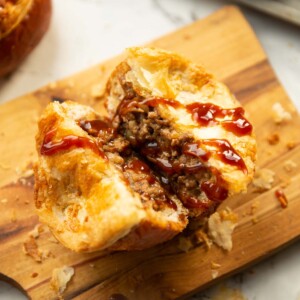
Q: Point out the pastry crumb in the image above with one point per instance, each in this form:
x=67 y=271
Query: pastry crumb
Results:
x=36 y=231
x=4 y=200
x=215 y=265
x=31 y=249
x=60 y=278
x=201 y=237
x=184 y=243
x=214 y=274
x=273 y=139
x=254 y=220
x=279 y=114
x=290 y=145
x=228 y=293
x=263 y=180
x=34 y=275
x=254 y=207
x=289 y=165
x=220 y=228
x=97 y=91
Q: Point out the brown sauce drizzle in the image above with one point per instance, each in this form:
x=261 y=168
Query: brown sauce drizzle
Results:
x=207 y=114
x=49 y=147
x=227 y=153
x=214 y=191
x=138 y=166
x=193 y=149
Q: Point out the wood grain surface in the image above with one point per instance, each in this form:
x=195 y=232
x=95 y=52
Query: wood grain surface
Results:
x=227 y=46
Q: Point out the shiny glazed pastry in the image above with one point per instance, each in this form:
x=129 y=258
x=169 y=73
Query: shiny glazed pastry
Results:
x=186 y=124
x=22 y=25
x=93 y=190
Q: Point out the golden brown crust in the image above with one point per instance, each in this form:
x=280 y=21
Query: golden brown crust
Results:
x=24 y=24
x=85 y=199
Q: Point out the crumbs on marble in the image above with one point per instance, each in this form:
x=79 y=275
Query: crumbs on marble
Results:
x=226 y=293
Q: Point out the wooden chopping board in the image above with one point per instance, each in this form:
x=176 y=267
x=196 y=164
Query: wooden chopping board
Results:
x=227 y=46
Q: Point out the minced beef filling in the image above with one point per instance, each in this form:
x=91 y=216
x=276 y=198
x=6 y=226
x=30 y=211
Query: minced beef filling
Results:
x=164 y=148
x=137 y=173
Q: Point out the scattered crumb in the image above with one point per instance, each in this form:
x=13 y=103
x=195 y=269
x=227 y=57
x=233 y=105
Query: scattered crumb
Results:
x=254 y=207
x=220 y=228
x=60 y=278
x=263 y=179
x=285 y=182
x=289 y=165
x=279 y=114
x=214 y=274
x=280 y=195
x=33 y=275
x=27 y=173
x=227 y=293
x=273 y=139
x=36 y=231
x=92 y=265
x=30 y=248
x=291 y=145
x=4 y=200
x=23 y=181
x=47 y=253
x=201 y=237
x=26 y=202
x=97 y=90
x=184 y=243
x=215 y=265
x=254 y=220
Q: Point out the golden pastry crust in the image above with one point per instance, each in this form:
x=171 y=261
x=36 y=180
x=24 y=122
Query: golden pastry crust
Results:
x=149 y=73
x=84 y=197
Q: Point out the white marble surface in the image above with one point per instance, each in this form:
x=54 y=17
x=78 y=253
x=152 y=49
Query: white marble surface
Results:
x=84 y=32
